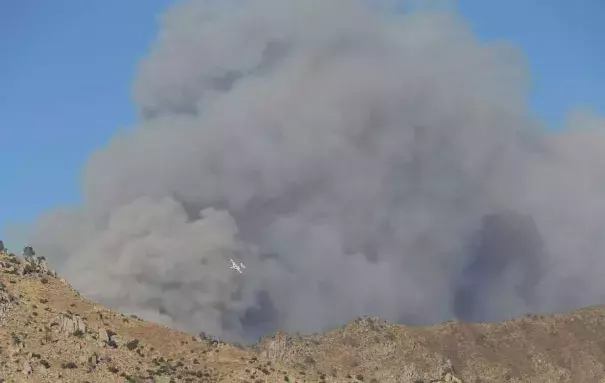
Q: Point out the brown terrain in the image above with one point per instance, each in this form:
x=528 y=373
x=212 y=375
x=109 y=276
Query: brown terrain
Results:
x=50 y=333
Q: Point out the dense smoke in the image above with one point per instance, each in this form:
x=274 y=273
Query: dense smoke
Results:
x=358 y=161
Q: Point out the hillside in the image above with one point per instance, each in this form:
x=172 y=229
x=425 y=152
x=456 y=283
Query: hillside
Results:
x=50 y=333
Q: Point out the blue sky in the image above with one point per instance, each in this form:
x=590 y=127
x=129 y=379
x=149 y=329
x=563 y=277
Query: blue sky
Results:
x=66 y=69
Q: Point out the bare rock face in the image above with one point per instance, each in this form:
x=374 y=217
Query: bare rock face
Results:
x=274 y=347
x=28 y=265
x=2 y=248
x=33 y=264
x=6 y=303
x=11 y=265
x=104 y=336
x=39 y=264
x=71 y=324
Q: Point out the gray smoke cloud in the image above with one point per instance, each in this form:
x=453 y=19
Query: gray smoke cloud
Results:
x=357 y=161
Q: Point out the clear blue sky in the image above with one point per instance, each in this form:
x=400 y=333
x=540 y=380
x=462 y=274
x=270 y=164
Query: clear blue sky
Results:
x=66 y=68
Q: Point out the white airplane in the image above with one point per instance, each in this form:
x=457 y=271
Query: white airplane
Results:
x=237 y=267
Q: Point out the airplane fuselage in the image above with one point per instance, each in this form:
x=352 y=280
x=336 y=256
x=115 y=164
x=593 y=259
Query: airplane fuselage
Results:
x=237 y=267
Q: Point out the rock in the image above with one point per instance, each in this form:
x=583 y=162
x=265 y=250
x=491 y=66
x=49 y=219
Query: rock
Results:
x=103 y=336
x=4 y=309
x=2 y=248
x=115 y=340
x=103 y=358
x=5 y=297
x=71 y=325
x=109 y=338
x=15 y=349
x=27 y=368
x=275 y=346
x=447 y=366
x=39 y=264
x=449 y=378
x=93 y=360
x=30 y=264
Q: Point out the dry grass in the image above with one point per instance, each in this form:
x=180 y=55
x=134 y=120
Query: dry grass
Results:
x=142 y=351
x=40 y=342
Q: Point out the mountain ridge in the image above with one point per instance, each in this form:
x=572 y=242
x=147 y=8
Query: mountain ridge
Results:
x=53 y=334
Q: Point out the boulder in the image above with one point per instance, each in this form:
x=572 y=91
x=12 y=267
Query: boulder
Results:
x=109 y=338
x=27 y=368
x=103 y=336
x=71 y=324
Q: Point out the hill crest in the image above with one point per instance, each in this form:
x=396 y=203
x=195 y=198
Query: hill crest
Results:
x=53 y=334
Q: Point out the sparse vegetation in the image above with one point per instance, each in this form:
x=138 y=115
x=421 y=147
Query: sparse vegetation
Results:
x=131 y=345
x=40 y=339
x=69 y=365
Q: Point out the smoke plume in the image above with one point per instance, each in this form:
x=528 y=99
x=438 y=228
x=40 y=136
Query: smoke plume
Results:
x=357 y=161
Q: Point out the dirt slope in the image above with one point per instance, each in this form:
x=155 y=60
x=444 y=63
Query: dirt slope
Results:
x=49 y=333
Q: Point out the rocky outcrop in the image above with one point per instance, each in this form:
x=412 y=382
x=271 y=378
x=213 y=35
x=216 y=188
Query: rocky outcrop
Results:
x=35 y=265
x=51 y=334
x=274 y=347
x=108 y=338
x=71 y=324
x=7 y=300
x=12 y=264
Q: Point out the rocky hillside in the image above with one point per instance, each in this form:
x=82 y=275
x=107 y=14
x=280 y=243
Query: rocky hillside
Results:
x=50 y=333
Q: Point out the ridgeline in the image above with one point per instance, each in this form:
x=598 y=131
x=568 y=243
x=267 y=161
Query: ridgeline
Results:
x=50 y=333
